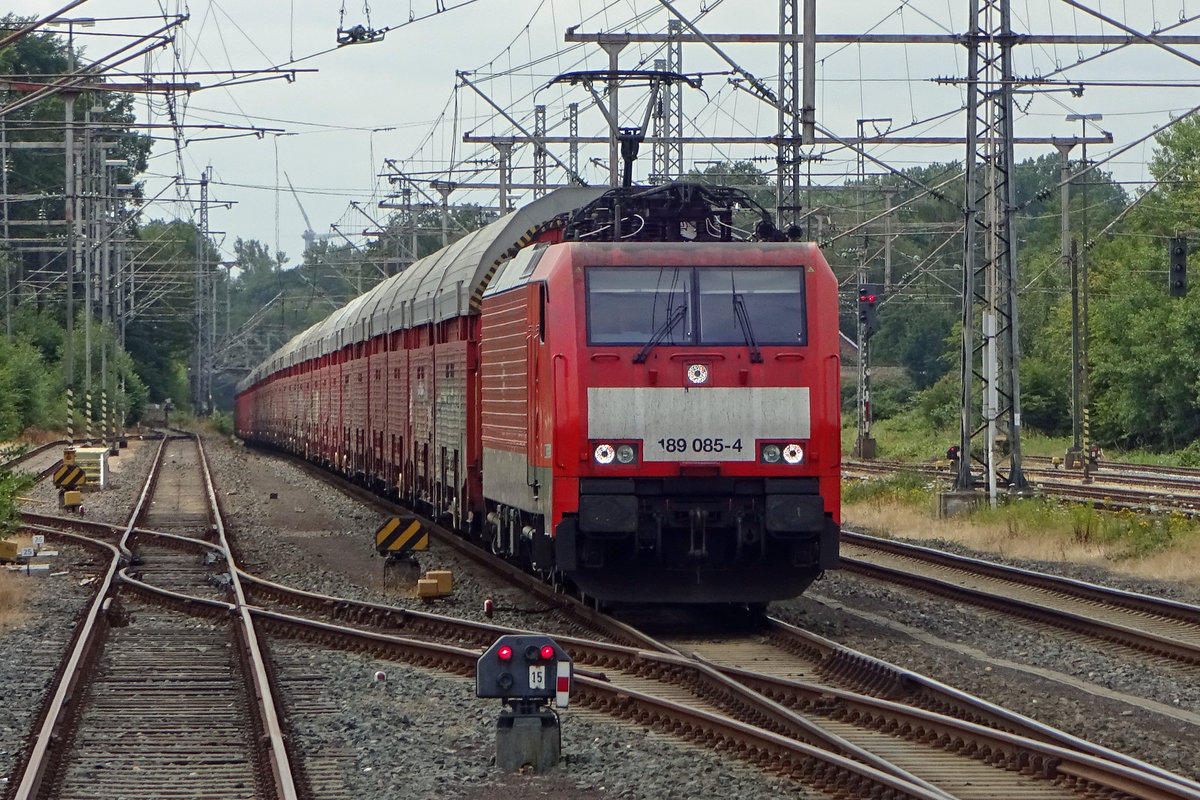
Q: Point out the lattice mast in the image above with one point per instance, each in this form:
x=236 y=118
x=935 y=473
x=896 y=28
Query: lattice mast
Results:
x=205 y=310
x=990 y=351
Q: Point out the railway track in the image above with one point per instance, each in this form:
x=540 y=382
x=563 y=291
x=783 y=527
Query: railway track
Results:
x=1162 y=628
x=888 y=723
x=835 y=719
x=181 y=705
x=1113 y=486
x=40 y=461
x=840 y=776
x=970 y=719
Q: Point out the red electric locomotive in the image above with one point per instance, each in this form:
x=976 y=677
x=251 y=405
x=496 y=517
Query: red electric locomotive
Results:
x=647 y=411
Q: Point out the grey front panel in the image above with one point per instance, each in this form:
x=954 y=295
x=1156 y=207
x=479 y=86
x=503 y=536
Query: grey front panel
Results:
x=698 y=424
x=506 y=477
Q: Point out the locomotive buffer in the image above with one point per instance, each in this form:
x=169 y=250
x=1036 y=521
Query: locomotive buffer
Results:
x=526 y=672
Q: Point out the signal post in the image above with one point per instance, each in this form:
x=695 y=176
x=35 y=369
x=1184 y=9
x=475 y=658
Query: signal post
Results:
x=526 y=672
x=868 y=323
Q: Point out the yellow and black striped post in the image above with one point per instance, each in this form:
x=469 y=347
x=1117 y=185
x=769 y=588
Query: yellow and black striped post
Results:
x=87 y=418
x=400 y=536
x=69 y=476
x=70 y=415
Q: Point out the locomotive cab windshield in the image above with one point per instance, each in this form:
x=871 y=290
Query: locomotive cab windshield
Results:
x=724 y=306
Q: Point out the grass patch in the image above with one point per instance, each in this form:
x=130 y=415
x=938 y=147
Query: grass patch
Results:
x=13 y=591
x=1121 y=535
x=906 y=488
x=1160 y=546
x=222 y=422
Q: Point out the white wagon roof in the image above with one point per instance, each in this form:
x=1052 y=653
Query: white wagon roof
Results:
x=432 y=289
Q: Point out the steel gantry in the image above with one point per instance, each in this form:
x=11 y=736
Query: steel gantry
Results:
x=990 y=348
x=667 y=163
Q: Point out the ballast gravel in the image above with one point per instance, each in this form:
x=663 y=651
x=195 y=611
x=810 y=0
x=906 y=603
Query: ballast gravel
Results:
x=31 y=650
x=1132 y=703
x=415 y=733
x=419 y=734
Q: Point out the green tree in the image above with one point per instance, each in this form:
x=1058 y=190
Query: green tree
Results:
x=36 y=176
x=11 y=485
x=160 y=332
x=1145 y=363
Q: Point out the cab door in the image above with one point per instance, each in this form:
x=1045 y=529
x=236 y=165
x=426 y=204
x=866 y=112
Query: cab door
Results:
x=539 y=393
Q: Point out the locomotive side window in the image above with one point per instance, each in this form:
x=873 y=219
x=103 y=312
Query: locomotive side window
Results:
x=773 y=300
x=630 y=305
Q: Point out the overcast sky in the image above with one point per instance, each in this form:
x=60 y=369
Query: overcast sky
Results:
x=397 y=98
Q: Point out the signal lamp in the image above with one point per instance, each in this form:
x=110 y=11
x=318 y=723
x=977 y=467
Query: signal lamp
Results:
x=547 y=652
x=626 y=454
x=504 y=653
x=793 y=454
x=771 y=453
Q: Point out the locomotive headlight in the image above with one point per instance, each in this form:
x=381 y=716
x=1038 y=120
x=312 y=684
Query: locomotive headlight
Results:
x=626 y=454
x=604 y=453
x=771 y=454
x=793 y=454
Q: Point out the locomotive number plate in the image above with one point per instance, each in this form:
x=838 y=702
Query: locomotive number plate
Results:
x=670 y=447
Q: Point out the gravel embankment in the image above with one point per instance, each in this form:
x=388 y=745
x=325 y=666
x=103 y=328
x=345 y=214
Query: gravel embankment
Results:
x=419 y=734
x=31 y=650
x=1111 y=722
x=1051 y=676
x=422 y=734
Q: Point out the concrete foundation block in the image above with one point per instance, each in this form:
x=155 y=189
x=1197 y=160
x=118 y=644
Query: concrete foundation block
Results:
x=527 y=740
x=951 y=504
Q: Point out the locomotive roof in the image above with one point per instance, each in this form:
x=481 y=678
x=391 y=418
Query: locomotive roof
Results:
x=432 y=289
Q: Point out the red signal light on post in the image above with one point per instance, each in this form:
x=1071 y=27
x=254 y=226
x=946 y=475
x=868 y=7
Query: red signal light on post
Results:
x=504 y=653
x=547 y=652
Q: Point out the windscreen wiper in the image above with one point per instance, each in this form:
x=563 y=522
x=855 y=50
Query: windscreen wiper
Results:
x=743 y=318
x=668 y=325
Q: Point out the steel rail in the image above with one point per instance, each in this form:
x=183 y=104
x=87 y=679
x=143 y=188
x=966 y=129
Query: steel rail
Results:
x=44 y=757
x=142 y=505
x=594 y=657
x=933 y=695
x=39 y=449
x=1185 y=498
x=711 y=681
x=1098 y=629
x=1050 y=761
x=60 y=711
x=783 y=754
x=1141 y=603
x=628 y=635
x=268 y=712
x=867 y=673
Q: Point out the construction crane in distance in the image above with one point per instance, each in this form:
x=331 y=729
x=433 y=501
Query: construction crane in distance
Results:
x=309 y=236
